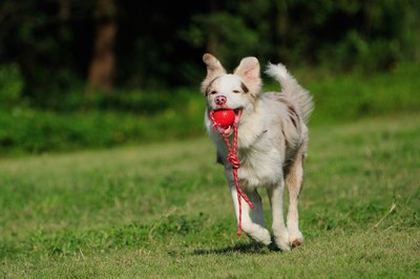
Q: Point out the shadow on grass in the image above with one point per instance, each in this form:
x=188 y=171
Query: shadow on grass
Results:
x=242 y=248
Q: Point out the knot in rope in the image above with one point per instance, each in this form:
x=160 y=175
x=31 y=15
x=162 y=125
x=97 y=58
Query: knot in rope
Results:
x=233 y=159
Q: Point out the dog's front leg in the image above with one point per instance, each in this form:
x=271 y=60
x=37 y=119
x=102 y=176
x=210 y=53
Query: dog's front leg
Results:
x=257 y=214
x=252 y=224
x=281 y=235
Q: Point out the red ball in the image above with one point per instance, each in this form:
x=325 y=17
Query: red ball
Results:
x=224 y=117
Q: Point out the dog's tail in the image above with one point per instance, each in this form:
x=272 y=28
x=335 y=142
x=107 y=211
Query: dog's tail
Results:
x=291 y=90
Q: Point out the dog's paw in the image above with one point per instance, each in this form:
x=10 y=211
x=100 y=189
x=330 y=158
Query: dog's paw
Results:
x=262 y=236
x=295 y=239
x=282 y=240
x=259 y=234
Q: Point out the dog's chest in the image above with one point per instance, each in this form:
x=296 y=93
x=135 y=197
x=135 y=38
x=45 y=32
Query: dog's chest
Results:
x=260 y=166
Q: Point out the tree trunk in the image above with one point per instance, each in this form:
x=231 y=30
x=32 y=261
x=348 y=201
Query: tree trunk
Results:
x=102 y=66
x=280 y=27
x=212 y=40
x=64 y=12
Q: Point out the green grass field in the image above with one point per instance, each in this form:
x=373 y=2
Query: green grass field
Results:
x=163 y=210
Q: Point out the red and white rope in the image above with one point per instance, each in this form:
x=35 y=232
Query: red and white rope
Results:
x=233 y=159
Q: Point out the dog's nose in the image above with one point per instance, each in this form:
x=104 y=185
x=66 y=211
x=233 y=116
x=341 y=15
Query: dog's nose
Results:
x=220 y=100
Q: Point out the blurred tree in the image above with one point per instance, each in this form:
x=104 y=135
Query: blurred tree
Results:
x=60 y=46
x=44 y=39
x=101 y=70
x=224 y=35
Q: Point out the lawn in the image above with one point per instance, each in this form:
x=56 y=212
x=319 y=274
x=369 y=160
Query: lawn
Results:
x=163 y=210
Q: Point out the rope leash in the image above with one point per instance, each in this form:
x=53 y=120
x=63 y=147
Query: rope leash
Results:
x=233 y=159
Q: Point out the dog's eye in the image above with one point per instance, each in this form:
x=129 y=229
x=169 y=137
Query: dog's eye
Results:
x=236 y=91
x=213 y=92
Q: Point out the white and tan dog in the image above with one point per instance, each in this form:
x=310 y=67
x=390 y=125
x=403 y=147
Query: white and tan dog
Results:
x=272 y=142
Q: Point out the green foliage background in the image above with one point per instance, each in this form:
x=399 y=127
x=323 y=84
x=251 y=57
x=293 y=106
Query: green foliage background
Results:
x=100 y=121
x=358 y=58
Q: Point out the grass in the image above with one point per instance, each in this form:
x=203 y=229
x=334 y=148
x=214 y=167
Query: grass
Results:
x=163 y=210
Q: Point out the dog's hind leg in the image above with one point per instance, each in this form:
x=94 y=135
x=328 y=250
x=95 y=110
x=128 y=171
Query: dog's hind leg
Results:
x=281 y=235
x=294 y=180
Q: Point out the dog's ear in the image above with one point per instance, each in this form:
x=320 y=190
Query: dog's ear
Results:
x=249 y=71
x=214 y=69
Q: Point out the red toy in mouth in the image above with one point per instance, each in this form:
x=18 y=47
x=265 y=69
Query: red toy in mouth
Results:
x=225 y=118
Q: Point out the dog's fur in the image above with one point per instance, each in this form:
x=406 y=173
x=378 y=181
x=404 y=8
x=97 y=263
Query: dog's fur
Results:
x=272 y=143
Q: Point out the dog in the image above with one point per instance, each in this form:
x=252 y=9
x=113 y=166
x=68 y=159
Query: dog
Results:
x=272 y=143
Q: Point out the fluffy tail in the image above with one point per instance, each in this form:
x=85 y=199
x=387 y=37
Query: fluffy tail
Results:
x=291 y=90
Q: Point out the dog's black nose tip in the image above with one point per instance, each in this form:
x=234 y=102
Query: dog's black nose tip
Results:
x=220 y=100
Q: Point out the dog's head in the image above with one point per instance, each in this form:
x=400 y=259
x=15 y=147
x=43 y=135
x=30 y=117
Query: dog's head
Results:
x=236 y=91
